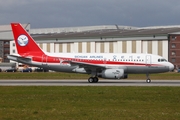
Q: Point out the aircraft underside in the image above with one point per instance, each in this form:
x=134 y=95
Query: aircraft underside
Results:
x=118 y=72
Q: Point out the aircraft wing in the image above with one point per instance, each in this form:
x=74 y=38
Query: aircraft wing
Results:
x=86 y=66
x=89 y=67
x=83 y=64
x=94 y=67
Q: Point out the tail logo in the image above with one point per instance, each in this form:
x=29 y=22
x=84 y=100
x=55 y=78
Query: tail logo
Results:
x=22 y=40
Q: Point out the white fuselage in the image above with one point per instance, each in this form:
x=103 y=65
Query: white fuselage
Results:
x=131 y=63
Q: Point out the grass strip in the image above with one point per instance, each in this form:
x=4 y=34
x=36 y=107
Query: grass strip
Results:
x=102 y=103
x=61 y=75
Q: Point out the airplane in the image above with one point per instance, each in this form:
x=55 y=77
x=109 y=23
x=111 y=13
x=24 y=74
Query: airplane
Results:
x=98 y=65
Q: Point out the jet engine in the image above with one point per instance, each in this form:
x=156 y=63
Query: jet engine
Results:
x=112 y=74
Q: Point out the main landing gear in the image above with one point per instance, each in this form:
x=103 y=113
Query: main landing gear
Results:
x=93 y=80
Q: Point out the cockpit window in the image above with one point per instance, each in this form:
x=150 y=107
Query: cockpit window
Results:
x=162 y=60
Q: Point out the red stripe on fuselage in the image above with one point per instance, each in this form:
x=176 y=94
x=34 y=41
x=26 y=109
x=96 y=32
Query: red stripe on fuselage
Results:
x=49 y=59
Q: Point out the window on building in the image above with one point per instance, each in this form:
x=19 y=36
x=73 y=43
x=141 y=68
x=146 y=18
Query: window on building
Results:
x=13 y=44
x=14 y=51
x=6 y=48
x=173 y=45
x=6 y=43
x=173 y=53
x=173 y=60
x=5 y=55
x=173 y=37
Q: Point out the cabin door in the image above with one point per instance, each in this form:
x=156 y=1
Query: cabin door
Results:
x=148 y=60
x=44 y=60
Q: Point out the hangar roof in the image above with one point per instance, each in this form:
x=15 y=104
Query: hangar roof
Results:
x=6 y=31
x=5 y=28
x=112 y=33
x=88 y=32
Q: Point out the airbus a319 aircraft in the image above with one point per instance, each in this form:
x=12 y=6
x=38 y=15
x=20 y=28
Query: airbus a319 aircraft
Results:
x=102 y=65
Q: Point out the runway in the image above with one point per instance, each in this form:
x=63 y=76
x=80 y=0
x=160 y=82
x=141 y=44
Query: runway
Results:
x=85 y=83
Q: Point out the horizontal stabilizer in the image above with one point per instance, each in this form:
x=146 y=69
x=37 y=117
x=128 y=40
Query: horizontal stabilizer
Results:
x=19 y=59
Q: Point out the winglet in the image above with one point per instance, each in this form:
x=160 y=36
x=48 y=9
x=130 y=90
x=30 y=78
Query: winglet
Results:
x=25 y=44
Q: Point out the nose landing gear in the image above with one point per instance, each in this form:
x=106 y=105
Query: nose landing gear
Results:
x=148 y=80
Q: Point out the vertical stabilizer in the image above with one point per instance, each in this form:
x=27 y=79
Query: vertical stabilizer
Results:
x=25 y=44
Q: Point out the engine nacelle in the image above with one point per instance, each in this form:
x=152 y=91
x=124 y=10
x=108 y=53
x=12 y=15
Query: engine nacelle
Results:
x=112 y=74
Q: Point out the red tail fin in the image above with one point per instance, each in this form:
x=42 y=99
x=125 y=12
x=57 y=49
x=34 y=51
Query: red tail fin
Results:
x=25 y=44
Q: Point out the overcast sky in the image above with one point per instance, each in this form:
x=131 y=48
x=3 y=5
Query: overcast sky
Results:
x=70 y=13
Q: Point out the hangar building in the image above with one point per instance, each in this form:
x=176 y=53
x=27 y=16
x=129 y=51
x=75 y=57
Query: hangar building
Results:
x=161 y=40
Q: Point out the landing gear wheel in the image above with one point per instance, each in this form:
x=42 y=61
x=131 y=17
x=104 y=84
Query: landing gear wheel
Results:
x=91 y=80
x=96 y=79
x=148 y=80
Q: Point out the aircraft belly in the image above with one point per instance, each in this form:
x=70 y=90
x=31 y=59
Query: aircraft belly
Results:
x=147 y=69
x=55 y=67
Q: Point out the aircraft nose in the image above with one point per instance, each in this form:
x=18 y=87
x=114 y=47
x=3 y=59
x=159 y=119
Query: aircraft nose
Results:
x=171 y=67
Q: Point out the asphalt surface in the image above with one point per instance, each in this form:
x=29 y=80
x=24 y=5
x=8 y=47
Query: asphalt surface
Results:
x=85 y=83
